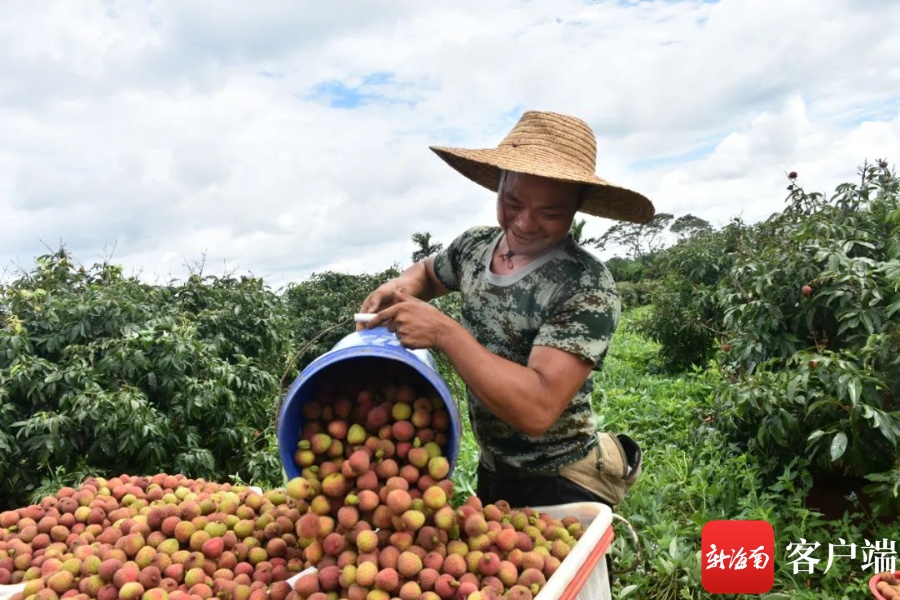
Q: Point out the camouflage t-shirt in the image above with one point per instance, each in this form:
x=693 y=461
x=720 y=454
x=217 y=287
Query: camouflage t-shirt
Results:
x=565 y=299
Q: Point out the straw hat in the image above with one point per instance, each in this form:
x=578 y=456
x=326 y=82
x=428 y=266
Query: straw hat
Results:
x=551 y=145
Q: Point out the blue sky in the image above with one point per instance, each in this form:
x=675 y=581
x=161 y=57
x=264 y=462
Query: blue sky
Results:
x=282 y=138
x=372 y=88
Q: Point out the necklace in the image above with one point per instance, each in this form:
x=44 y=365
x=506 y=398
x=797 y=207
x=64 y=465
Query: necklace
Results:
x=508 y=256
x=510 y=253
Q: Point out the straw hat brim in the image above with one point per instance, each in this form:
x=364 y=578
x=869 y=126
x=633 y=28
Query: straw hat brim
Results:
x=601 y=199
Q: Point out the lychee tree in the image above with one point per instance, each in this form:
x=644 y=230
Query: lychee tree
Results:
x=811 y=312
x=101 y=373
x=686 y=318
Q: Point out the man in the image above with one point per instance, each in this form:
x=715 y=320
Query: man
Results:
x=538 y=311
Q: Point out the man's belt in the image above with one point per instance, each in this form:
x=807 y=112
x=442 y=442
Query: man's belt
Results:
x=507 y=471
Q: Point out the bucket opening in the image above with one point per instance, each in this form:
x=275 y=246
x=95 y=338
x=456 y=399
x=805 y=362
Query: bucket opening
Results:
x=346 y=378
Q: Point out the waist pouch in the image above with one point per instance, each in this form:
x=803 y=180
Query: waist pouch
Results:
x=610 y=468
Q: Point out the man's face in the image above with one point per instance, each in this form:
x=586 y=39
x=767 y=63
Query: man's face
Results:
x=535 y=212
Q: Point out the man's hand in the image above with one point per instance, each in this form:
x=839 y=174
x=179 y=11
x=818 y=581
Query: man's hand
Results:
x=418 y=281
x=384 y=296
x=417 y=324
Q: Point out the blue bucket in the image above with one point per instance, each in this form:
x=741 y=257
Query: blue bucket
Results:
x=362 y=357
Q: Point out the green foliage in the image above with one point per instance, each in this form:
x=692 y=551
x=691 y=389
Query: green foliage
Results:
x=687 y=226
x=693 y=474
x=686 y=318
x=625 y=269
x=814 y=371
x=637 y=274
x=635 y=293
x=102 y=374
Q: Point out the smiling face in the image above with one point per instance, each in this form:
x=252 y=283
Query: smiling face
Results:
x=535 y=212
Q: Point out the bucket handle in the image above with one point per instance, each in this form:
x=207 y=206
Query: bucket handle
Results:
x=357 y=318
x=297 y=355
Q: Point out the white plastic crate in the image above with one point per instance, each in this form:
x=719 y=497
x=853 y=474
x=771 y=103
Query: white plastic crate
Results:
x=582 y=575
x=9 y=590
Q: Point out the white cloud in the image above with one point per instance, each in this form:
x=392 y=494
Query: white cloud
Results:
x=177 y=131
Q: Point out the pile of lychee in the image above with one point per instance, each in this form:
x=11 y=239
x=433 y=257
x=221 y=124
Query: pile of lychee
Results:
x=368 y=518
x=151 y=538
x=378 y=523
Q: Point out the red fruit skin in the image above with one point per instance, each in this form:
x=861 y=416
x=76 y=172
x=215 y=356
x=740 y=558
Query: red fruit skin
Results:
x=726 y=347
x=806 y=290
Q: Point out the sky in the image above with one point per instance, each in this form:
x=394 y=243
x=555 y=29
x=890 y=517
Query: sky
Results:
x=279 y=138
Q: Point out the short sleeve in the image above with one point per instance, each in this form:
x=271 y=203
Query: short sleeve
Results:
x=448 y=262
x=585 y=321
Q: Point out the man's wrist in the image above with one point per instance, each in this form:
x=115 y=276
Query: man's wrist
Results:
x=445 y=332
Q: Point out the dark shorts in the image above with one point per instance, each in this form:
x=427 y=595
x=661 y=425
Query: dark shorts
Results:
x=531 y=491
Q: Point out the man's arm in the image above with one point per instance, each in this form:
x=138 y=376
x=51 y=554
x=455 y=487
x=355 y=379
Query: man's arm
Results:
x=530 y=398
x=434 y=287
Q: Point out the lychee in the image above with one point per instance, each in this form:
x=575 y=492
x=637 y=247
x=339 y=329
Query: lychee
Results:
x=412 y=520
x=519 y=592
x=337 y=429
x=409 y=564
x=329 y=578
x=365 y=574
x=366 y=541
x=403 y=431
x=306 y=585
x=434 y=497
x=359 y=462
x=356 y=435
x=387 y=468
x=410 y=590
x=298 y=488
x=388 y=555
x=438 y=467
x=398 y=501
x=335 y=485
x=445 y=586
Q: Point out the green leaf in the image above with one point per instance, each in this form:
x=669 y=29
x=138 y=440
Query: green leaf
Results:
x=673 y=549
x=815 y=435
x=894 y=307
x=838 y=445
x=854 y=386
x=792 y=386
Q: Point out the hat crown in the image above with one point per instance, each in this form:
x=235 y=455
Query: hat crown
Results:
x=562 y=138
